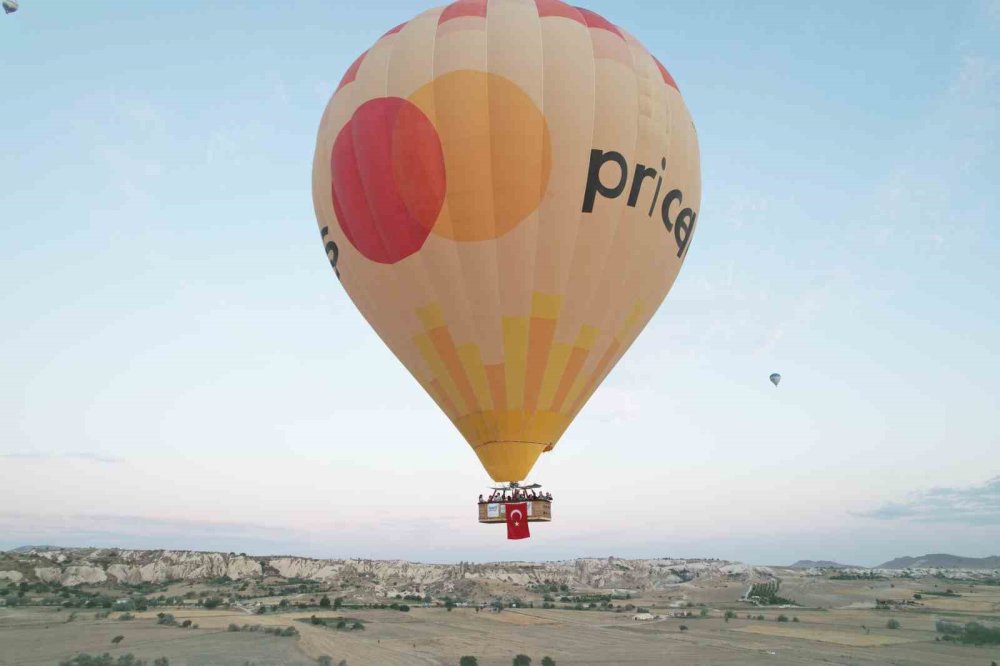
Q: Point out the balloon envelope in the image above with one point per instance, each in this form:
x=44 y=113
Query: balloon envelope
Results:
x=775 y=378
x=507 y=191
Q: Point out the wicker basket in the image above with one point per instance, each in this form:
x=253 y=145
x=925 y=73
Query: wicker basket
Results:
x=539 y=511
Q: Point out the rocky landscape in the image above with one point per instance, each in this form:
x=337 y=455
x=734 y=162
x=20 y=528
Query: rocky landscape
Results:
x=193 y=608
x=93 y=566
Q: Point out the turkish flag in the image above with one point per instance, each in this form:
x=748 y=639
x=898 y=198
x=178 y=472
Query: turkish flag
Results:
x=517 y=521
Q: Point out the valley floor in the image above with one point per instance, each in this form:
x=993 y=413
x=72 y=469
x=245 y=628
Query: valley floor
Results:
x=434 y=636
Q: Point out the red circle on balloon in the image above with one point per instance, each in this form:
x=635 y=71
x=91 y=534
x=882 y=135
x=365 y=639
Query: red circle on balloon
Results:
x=388 y=176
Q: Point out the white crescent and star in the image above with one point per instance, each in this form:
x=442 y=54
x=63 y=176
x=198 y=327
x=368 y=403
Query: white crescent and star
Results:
x=512 y=513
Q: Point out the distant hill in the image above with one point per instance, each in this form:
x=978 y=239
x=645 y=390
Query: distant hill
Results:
x=820 y=564
x=28 y=549
x=942 y=561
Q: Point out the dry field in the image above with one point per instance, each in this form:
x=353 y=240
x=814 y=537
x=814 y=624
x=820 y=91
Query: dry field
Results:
x=841 y=628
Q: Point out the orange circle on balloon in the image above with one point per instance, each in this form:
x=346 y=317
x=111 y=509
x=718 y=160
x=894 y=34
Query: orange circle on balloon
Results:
x=497 y=152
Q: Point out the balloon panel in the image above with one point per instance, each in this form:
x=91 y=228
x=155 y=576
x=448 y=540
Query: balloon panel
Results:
x=507 y=190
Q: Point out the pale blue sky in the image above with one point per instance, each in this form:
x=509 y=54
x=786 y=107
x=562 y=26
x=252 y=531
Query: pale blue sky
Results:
x=180 y=368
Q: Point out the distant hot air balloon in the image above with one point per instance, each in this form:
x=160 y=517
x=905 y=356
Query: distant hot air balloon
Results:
x=507 y=189
x=775 y=378
x=9 y=6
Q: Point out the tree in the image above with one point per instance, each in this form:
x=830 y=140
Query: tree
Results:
x=782 y=618
x=704 y=612
x=892 y=624
x=324 y=602
x=338 y=602
x=684 y=627
x=730 y=615
x=324 y=660
x=117 y=639
x=548 y=661
x=449 y=604
x=468 y=661
x=522 y=660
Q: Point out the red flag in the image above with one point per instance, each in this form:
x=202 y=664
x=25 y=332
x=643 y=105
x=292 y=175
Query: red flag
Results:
x=517 y=521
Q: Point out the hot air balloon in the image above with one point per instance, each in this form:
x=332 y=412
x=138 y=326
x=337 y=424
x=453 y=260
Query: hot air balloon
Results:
x=9 y=6
x=775 y=378
x=507 y=189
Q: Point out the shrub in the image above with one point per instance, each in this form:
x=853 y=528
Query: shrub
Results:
x=166 y=618
x=548 y=661
x=213 y=602
x=357 y=626
x=972 y=633
x=892 y=624
x=107 y=660
x=704 y=612
x=522 y=660
x=233 y=627
x=324 y=660
x=795 y=619
x=324 y=602
x=948 y=628
x=185 y=624
x=125 y=617
x=468 y=661
x=117 y=639
x=730 y=615
x=684 y=627
x=782 y=618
